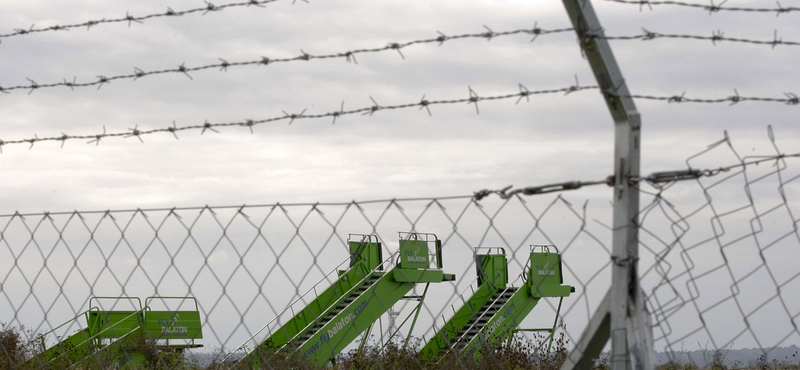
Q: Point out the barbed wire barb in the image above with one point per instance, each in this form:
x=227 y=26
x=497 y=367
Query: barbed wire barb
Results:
x=474 y=98
x=337 y=114
x=424 y=104
x=173 y=129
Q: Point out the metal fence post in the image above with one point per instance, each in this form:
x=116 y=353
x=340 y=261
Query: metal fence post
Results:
x=621 y=316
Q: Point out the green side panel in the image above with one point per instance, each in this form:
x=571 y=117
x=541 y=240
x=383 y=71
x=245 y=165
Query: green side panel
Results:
x=492 y=269
x=501 y=326
x=324 y=302
x=370 y=253
x=113 y=324
x=414 y=254
x=340 y=331
x=173 y=325
x=453 y=328
x=545 y=276
x=64 y=353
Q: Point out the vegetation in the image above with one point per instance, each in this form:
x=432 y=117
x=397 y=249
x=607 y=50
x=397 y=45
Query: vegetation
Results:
x=520 y=354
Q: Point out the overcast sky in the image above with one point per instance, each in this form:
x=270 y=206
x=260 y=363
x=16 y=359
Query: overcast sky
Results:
x=391 y=154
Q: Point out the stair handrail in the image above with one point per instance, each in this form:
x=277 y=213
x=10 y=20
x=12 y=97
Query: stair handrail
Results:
x=461 y=295
x=93 y=337
x=289 y=307
x=346 y=294
x=461 y=338
x=40 y=336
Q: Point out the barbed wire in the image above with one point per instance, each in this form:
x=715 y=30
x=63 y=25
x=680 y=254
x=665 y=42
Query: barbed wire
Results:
x=711 y=8
x=473 y=98
x=208 y=8
x=789 y=99
x=716 y=36
x=223 y=65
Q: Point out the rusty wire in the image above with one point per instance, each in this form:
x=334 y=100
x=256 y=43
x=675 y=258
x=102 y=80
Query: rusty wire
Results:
x=223 y=65
x=208 y=8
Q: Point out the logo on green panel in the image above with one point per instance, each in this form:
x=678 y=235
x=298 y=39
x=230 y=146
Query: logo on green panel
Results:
x=414 y=254
x=545 y=270
x=171 y=327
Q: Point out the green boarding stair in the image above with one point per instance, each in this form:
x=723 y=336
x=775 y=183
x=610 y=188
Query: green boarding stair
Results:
x=490 y=295
x=360 y=295
x=499 y=317
x=117 y=336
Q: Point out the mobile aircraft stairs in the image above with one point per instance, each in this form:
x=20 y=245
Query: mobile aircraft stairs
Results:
x=493 y=313
x=113 y=338
x=323 y=321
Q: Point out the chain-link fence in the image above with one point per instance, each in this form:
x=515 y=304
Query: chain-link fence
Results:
x=718 y=260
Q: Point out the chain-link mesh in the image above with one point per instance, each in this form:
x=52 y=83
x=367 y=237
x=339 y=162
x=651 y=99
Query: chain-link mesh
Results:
x=718 y=262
